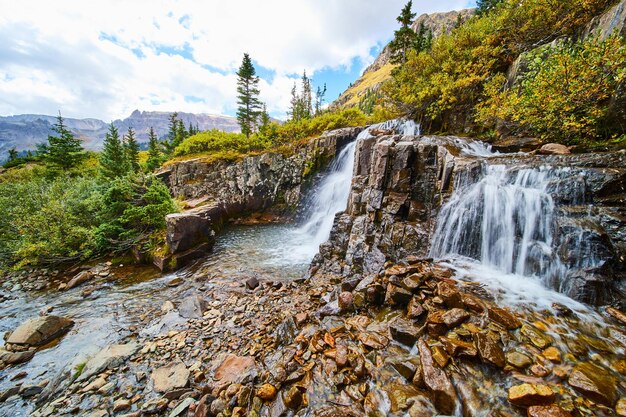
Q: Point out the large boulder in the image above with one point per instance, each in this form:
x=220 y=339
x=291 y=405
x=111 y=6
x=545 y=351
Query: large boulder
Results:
x=437 y=381
x=39 y=331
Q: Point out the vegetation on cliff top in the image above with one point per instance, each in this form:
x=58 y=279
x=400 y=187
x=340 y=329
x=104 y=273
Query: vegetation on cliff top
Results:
x=573 y=90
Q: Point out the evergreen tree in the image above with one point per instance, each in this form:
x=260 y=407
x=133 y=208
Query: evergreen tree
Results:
x=485 y=6
x=306 y=98
x=424 y=38
x=294 y=111
x=12 y=154
x=63 y=151
x=404 y=38
x=172 y=133
x=264 y=120
x=181 y=133
x=113 y=161
x=154 y=151
x=247 y=96
x=191 y=130
x=131 y=147
x=319 y=99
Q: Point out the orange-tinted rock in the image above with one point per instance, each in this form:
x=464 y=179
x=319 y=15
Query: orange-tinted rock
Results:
x=455 y=316
x=437 y=381
x=595 y=383
x=547 y=411
x=456 y=347
x=525 y=395
x=450 y=294
x=504 y=317
x=489 y=350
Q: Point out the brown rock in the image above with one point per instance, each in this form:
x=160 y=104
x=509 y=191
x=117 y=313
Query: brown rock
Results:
x=398 y=295
x=373 y=340
x=554 y=149
x=456 y=347
x=170 y=377
x=450 y=294
x=234 y=369
x=293 y=398
x=552 y=354
x=595 y=383
x=301 y=318
x=204 y=406
x=454 y=317
x=617 y=315
x=40 y=330
x=440 y=356
x=80 y=278
x=504 y=317
x=620 y=407
x=341 y=356
x=252 y=283
x=473 y=303
x=547 y=411
x=404 y=332
x=345 y=301
x=518 y=360
x=121 y=405
x=489 y=350
x=267 y=392
x=401 y=270
x=14 y=358
x=536 y=337
x=415 y=309
x=525 y=395
x=437 y=381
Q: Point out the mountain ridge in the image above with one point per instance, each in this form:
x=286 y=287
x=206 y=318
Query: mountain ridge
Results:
x=25 y=131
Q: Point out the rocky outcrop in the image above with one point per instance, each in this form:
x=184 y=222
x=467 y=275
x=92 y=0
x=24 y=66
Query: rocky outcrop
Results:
x=228 y=190
x=400 y=183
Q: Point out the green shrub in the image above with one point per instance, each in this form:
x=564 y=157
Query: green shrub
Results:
x=571 y=91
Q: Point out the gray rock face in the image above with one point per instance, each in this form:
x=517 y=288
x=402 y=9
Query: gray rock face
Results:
x=109 y=357
x=39 y=331
x=193 y=307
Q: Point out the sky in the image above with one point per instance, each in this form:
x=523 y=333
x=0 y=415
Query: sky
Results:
x=104 y=59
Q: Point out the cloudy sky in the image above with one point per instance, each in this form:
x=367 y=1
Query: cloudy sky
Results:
x=104 y=59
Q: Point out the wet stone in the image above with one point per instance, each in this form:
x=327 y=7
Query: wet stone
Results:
x=525 y=395
x=489 y=350
x=450 y=294
x=536 y=337
x=456 y=347
x=518 y=360
x=504 y=317
x=404 y=332
x=266 y=392
x=398 y=295
x=345 y=301
x=437 y=381
x=595 y=383
x=415 y=309
x=454 y=317
x=170 y=377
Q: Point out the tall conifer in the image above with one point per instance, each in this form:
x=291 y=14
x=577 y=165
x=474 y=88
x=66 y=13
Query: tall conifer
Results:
x=247 y=96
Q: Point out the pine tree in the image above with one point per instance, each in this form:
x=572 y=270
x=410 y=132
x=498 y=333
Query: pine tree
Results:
x=12 y=154
x=113 y=161
x=319 y=99
x=247 y=96
x=306 y=98
x=181 y=133
x=154 y=151
x=264 y=120
x=404 y=38
x=131 y=148
x=63 y=151
x=172 y=132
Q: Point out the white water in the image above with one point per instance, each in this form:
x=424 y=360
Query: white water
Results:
x=500 y=231
x=329 y=198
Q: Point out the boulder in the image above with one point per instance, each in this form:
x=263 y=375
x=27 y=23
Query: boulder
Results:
x=455 y=316
x=595 y=383
x=504 y=317
x=193 y=307
x=345 y=301
x=525 y=395
x=437 y=381
x=554 y=149
x=186 y=230
x=14 y=358
x=170 y=377
x=109 y=357
x=80 y=278
x=234 y=369
x=518 y=359
x=39 y=331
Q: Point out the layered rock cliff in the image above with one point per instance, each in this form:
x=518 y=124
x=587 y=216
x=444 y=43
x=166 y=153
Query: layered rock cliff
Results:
x=218 y=191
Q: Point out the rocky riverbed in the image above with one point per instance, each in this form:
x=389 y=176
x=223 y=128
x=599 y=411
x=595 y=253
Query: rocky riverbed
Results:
x=415 y=340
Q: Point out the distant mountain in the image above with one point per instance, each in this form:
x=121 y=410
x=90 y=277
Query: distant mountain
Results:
x=25 y=131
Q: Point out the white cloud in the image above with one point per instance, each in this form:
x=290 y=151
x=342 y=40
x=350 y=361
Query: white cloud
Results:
x=105 y=58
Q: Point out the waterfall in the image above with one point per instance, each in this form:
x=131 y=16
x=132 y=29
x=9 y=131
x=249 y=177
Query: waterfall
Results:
x=506 y=221
x=330 y=196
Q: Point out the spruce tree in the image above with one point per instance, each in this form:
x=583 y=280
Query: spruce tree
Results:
x=404 y=38
x=131 y=147
x=247 y=96
x=294 y=111
x=319 y=99
x=113 y=161
x=154 y=151
x=264 y=120
x=172 y=133
x=63 y=151
x=12 y=154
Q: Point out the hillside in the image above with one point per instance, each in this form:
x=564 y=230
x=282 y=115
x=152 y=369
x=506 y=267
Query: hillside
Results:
x=25 y=131
x=380 y=70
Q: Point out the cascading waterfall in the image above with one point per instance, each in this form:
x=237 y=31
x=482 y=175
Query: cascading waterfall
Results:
x=331 y=195
x=506 y=221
